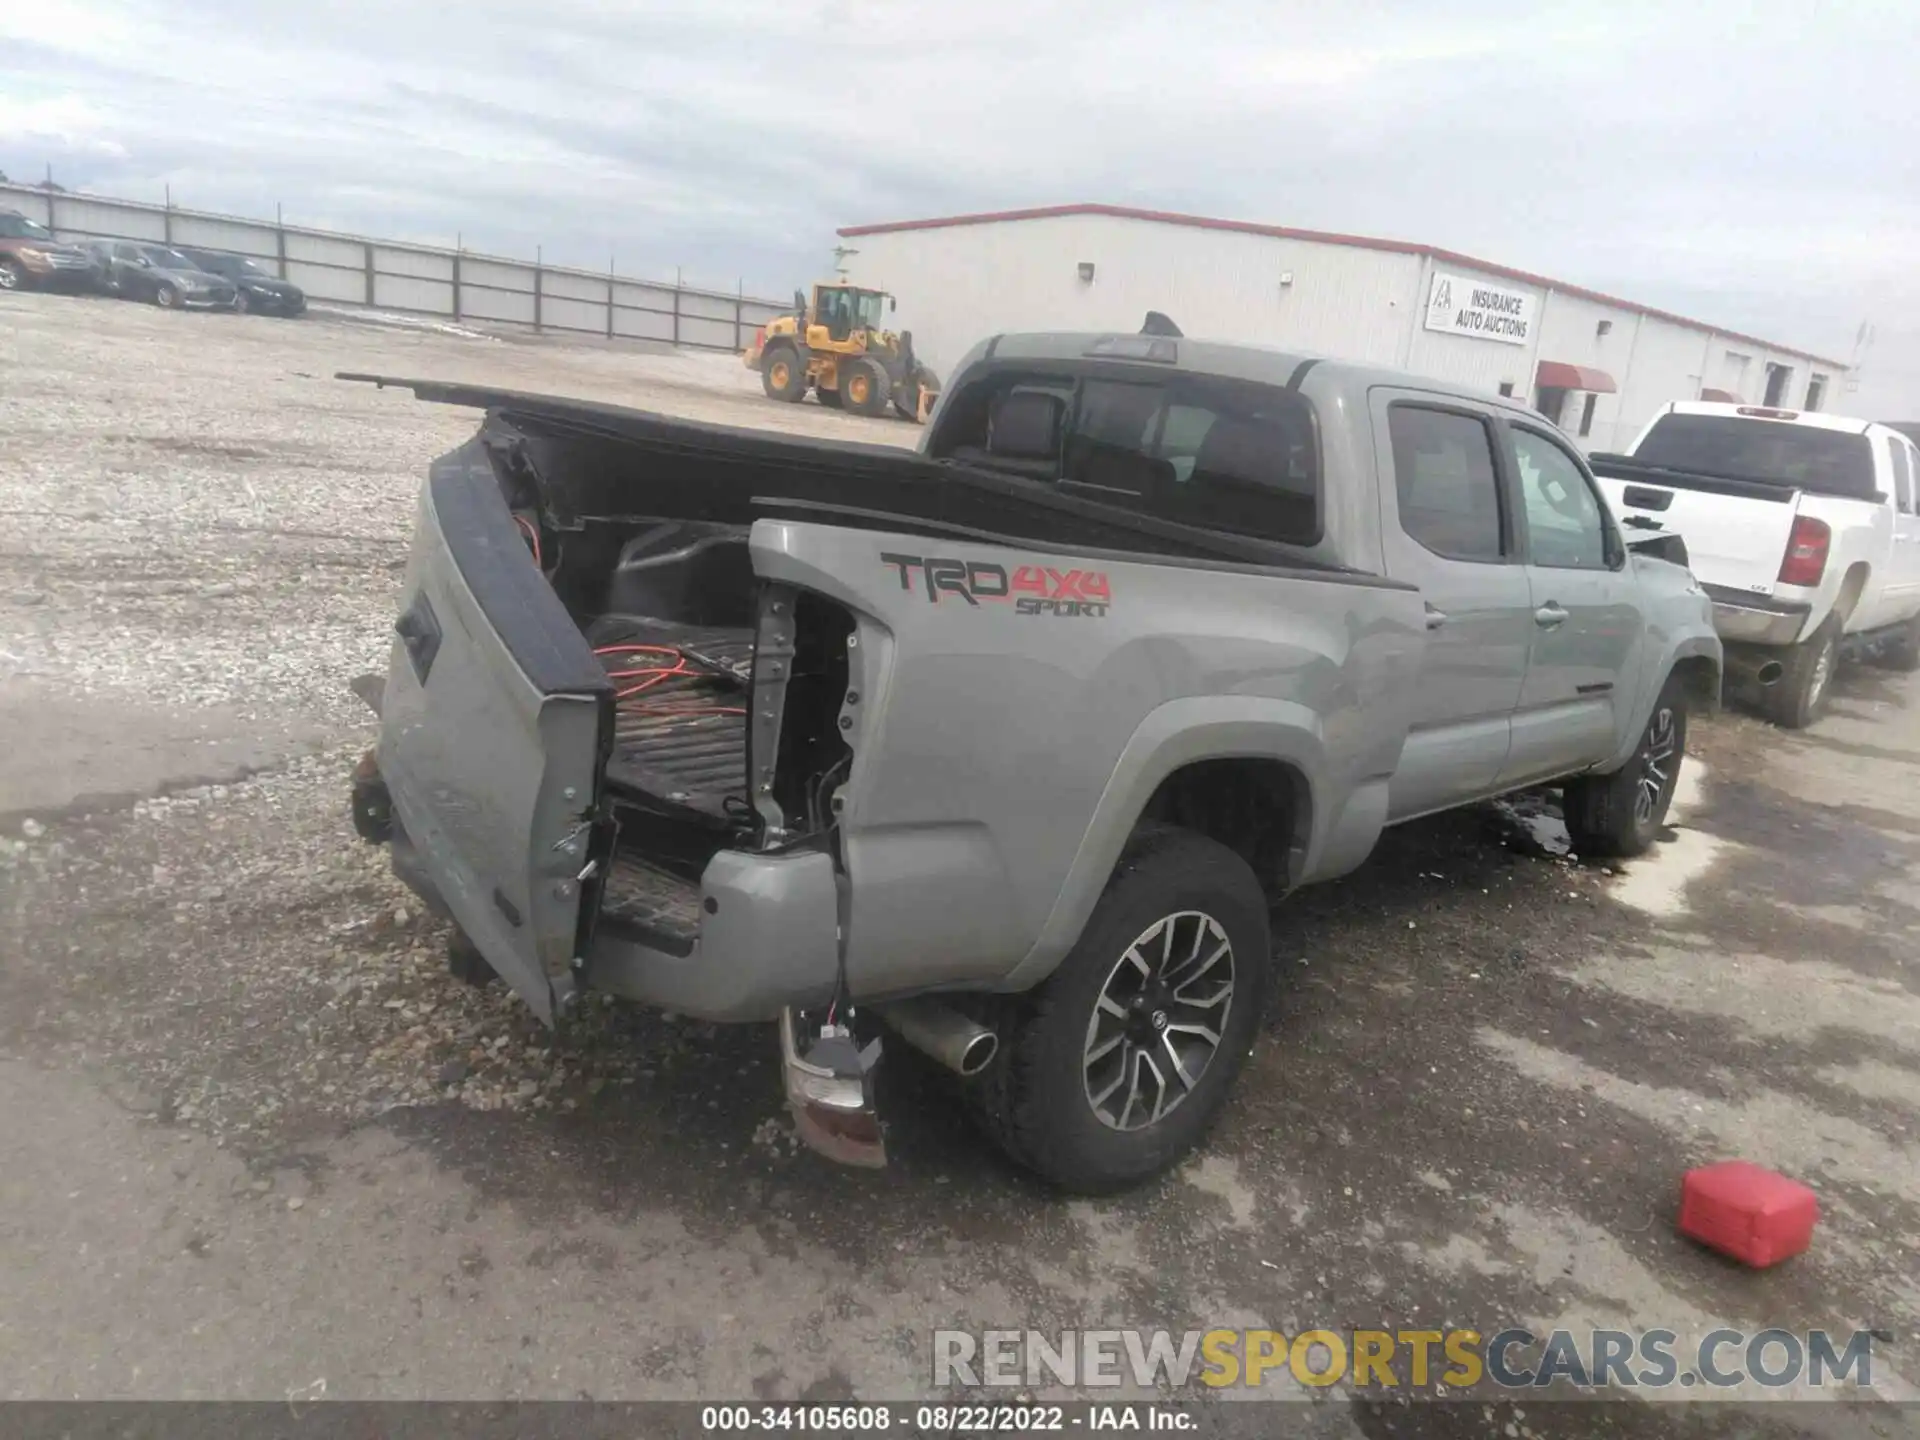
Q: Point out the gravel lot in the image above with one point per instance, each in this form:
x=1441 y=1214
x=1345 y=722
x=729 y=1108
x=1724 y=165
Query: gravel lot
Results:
x=258 y=1141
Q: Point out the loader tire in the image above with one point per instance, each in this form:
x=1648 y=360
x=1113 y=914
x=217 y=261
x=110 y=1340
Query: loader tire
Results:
x=864 y=388
x=906 y=396
x=1176 y=951
x=783 y=374
x=1622 y=814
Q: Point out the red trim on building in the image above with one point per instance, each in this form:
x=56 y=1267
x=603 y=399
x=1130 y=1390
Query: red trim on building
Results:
x=1558 y=375
x=1324 y=237
x=1722 y=397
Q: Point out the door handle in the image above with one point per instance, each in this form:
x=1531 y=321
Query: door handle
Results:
x=1436 y=617
x=1549 y=615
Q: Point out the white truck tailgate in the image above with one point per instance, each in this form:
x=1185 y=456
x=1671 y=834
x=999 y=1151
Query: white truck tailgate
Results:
x=1734 y=541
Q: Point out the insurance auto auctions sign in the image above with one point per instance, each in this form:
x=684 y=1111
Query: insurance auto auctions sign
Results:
x=1460 y=306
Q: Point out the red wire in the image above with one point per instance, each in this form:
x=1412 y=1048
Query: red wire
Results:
x=533 y=539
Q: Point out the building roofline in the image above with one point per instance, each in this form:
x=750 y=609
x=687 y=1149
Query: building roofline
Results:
x=1326 y=237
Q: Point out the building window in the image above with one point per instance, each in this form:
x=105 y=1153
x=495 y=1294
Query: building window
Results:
x=1550 y=401
x=1506 y=388
x=1586 y=416
x=1816 y=392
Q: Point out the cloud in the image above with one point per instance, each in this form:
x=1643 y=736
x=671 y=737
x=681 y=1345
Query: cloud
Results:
x=1750 y=164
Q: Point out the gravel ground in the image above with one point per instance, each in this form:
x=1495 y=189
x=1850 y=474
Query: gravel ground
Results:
x=233 y=1046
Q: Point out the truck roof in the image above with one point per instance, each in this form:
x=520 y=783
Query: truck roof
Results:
x=1781 y=414
x=1265 y=364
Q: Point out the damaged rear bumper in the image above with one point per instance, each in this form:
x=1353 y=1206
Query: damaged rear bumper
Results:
x=758 y=933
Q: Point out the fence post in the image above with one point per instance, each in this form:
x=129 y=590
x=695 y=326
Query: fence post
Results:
x=280 y=236
x=612 y=260
x=539 y=284
x=459 y=243
x=739 y=314
x=166 y=217
x=677 y=283
x=367 y=249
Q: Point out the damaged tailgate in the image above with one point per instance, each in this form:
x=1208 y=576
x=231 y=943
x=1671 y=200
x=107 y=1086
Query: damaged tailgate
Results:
x=492 y=724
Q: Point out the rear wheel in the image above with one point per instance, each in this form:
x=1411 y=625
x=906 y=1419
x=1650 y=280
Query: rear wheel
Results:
x=241 y=304
x=783 y=375
x=1800 y=696
x=10 y=276
x=863 y=385
x=166 y=297
x=1622 y=813
x=1117 y=1065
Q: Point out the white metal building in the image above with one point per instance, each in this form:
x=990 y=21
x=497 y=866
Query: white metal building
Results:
x=1599 y=366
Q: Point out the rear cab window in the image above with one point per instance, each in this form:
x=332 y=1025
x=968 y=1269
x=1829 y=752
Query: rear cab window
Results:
x=1200 y=450
x=1763 y=451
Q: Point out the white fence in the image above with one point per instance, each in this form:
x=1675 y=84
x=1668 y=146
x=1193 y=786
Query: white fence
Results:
x=418 y=279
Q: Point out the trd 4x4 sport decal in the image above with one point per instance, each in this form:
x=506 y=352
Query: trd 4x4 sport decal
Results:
x=1030 y=589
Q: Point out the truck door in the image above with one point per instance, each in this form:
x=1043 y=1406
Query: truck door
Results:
x=1445 y=527
x=1588 y=624
x=1903 y=578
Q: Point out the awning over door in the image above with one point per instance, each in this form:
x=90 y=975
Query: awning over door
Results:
x=1558 y=375
x=1725 y=397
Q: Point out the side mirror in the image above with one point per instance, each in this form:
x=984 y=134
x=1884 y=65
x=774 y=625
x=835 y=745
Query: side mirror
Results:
x=892 y=304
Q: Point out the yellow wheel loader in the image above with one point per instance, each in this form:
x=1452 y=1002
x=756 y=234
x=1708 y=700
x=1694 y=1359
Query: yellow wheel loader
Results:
x=834 y=346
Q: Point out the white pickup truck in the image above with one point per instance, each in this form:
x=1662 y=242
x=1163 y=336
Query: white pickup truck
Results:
x=1803 y=528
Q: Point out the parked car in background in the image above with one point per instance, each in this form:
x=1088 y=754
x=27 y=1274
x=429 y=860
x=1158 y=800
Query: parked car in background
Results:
x=1804 y=528
x=254 y=287
x=30 y=256
x=161 y=274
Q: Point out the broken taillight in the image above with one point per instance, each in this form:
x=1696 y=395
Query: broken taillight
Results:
x=1806 y=558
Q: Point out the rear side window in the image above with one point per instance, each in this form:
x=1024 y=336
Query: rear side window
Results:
x=1444 y=476
x=1766 y=452
x=1902 y=476
x=1218 y=454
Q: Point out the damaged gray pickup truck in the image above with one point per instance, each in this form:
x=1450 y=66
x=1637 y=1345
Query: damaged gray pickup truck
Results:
x=1006 y=747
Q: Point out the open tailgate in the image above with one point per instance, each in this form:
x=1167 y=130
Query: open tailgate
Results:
x=492 y=722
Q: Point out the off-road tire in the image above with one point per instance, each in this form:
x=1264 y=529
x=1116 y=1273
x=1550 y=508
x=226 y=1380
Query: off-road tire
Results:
x=10 y=276
x=1799 y=697
x=1622 y=814
x=864 y=388
x=166 y=297
x=1903 y=651
x=783 y=374
x=1035 y=1099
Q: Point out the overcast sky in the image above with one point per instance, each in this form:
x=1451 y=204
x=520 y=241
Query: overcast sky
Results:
x=1749 y=162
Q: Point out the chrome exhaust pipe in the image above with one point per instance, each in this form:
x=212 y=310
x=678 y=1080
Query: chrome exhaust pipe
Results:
x=941 y=1033
x=1756 y=671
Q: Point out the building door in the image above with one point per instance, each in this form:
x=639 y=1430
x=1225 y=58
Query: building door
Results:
x=1777 y=378
x=1816 y=392
x=1550 y=401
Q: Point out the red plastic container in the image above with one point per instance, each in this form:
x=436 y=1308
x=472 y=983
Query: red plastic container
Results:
x=1754 y=1215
